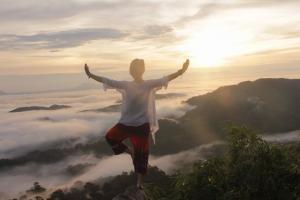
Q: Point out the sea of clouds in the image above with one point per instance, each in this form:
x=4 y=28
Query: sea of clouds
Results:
x=22 y=132
x=25 y=131
x=53 y=176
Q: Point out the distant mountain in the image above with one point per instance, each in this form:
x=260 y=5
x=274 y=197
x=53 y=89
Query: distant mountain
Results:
x=31 y=108
x=266 y=105
x=111 y=108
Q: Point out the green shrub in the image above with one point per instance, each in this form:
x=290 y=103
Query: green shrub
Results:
x=252 y=169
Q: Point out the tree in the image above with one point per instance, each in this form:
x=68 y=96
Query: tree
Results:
x=251 y=169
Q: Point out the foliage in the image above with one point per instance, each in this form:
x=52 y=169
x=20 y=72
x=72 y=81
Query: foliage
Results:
x=94 y=191
x=251 y=169
x=36 y=188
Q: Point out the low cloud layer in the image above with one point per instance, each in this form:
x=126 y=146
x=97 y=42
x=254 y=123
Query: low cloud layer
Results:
x=53 y=176
x=293 y=136
x=36 y=130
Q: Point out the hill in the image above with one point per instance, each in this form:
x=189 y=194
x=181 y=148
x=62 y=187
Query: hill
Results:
x=267 y=105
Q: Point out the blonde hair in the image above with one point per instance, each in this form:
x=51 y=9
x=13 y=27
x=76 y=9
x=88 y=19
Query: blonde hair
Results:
x=137 y=67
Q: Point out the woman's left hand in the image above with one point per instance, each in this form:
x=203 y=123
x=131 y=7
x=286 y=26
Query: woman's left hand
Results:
x=185 y=65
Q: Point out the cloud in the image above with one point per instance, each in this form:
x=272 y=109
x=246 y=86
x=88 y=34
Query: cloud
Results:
x=52 y=9
x=23 y=132
x=157 y=30
x=204 y=11
x=36 y=10
x=114 y=165
x=171 y=163
x=273 y=51
x=53 y=176
x=281 y=31
x=211 y=8
x=59 y=39
x=155 y=34
x=288 y=137
x=27 y=131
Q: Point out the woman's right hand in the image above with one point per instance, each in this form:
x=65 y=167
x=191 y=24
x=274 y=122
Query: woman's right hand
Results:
x=87 y=70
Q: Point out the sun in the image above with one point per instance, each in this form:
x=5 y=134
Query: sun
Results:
x=212 y=46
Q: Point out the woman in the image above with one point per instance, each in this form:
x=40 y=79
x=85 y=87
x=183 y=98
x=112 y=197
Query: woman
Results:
x=138 y=117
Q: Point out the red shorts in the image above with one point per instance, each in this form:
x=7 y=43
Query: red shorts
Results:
x=139 y=137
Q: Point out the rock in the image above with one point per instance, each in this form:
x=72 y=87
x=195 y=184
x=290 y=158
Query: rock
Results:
x=131 y=193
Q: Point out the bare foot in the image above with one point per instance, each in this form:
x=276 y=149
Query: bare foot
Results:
x=140 y=181
x=140 y=187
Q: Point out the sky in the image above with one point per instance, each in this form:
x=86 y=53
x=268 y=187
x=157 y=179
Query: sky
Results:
x=54 y=36
x=45 y=43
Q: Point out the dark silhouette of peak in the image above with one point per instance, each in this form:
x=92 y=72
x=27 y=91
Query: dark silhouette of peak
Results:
x=31 y=108
x=267 y=105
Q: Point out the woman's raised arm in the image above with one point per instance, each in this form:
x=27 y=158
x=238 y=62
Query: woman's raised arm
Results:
x=181 y=71
x=93 y=76
x=113 y=84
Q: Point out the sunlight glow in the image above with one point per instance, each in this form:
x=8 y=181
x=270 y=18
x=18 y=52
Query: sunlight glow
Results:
x=213 y=46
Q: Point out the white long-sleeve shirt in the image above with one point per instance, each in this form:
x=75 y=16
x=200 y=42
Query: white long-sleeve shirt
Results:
x=138 y=101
